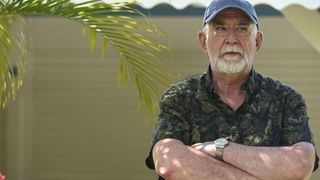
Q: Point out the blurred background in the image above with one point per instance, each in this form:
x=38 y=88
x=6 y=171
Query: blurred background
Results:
x=71 y=122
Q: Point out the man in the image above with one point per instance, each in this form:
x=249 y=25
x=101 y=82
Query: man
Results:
x=232 y=122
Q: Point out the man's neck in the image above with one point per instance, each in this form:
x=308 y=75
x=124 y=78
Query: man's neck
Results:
x=228 y=87
x=228 y=83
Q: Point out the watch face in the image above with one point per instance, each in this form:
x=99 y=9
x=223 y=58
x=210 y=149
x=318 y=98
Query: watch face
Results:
x=221 y=141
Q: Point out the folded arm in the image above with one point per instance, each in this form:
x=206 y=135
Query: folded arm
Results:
x=176 y=161
x=286 y=162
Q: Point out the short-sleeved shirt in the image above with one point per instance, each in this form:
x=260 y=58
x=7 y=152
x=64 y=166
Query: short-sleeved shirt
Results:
x=273 y=114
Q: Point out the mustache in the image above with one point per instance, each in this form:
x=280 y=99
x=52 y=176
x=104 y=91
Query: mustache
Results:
x=228 y=48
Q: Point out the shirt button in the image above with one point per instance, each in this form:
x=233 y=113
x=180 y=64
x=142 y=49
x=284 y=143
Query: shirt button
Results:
x=236 y=134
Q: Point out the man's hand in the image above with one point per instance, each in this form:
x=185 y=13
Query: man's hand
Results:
x=207 y=148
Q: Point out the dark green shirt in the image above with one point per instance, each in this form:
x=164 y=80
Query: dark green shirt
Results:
x=272 y=114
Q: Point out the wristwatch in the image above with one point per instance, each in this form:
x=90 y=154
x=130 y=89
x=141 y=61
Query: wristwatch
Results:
x=220 y=143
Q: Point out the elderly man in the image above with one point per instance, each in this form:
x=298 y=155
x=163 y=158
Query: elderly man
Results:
x=232 y=122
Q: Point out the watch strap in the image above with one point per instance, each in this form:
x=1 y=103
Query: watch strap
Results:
x=219 y=153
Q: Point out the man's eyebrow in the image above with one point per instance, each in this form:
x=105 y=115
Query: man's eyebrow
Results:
x=217 y=22
x=245 y=23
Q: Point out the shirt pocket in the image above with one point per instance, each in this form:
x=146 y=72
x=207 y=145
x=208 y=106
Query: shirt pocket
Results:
x=262 y=131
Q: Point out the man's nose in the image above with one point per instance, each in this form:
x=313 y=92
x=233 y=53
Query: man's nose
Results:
x=231 y=37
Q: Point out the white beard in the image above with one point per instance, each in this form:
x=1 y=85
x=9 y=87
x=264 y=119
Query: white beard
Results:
x=231 y=64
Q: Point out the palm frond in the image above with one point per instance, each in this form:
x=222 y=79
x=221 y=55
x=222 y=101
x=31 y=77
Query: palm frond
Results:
x=140 y=43
x=12 y=57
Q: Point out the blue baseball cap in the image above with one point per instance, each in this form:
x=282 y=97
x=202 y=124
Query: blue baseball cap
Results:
x=217 y=6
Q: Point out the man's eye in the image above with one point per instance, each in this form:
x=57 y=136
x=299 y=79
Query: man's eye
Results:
x=221 y=28
x=242 y=29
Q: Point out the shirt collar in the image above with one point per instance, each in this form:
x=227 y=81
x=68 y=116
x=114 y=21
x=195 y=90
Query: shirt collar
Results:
x=208 y=81
x=251 y=83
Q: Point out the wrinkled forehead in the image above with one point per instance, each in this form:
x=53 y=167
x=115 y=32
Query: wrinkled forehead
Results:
x=232 y=13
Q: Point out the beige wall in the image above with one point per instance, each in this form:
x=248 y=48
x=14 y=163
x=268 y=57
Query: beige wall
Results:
x=80 y=126
x=2 y=140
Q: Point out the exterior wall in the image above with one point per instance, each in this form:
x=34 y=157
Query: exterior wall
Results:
x=83 y=127
x=2 y=140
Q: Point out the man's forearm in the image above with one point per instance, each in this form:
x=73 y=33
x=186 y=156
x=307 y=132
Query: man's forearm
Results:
x=291 y=162
x=176 y=161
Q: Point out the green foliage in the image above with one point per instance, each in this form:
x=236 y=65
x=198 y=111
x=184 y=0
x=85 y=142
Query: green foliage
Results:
x=137 y=40
x=12 y=57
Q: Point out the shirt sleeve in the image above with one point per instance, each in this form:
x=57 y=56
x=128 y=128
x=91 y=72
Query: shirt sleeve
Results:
x=295 y=126
x=171 y=123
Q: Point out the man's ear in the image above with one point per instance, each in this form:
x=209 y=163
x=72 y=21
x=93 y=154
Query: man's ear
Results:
x=202 y=38
x=259 y=39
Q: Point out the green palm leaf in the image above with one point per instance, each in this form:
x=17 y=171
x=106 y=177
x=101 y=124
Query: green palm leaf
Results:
x=12 y=57
x=139 y=42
